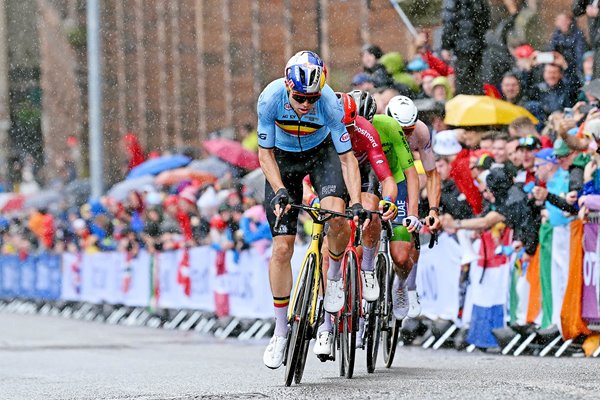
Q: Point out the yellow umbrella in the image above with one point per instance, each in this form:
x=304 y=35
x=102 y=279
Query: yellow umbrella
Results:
x=467 y=110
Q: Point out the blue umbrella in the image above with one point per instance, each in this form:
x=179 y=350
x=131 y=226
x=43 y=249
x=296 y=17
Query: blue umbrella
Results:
x=212 y=165
x=157 y=165
x=120 y=190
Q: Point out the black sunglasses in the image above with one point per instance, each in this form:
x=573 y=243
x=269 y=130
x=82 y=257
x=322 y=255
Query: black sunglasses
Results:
x=301 y=98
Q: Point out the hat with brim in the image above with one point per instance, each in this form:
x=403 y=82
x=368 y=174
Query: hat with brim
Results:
x=546 y=155
x=529 y=143
x=445 y=143
x=560 y=148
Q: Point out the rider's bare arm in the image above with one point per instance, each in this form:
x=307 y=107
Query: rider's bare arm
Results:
x=266 y=157
x=351 y=176
x=412 y=184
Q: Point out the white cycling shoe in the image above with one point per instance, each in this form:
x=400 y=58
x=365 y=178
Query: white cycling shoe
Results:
x=275 y=351
x=334 y=296
x=414 y=307
x=399 y=299
x=323 y=344
x=370 y=285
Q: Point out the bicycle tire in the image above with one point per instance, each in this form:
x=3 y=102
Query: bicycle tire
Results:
x=390 y=326
x=373 y=321
x=309 y=332
x=350 y=317
x=299 y=322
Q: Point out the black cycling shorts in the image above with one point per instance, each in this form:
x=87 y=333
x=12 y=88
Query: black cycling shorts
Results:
x=322 y=164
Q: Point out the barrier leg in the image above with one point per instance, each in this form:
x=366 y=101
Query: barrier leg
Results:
x=116 y=315
x=564 y=347
x=130 y=319
x=596 y=353
x=525 y=343
x=251 y=331
x=187 y=324
x=176 y=321
x=471 y=348
x=264 y=330
x=445 y=337
x=511 y=344
x=225 y=332
x=549 y=347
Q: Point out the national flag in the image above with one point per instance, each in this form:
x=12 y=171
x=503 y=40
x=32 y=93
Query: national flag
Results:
x=546 y=273
x=490 y=289
x=572 y=323
x=534 y=304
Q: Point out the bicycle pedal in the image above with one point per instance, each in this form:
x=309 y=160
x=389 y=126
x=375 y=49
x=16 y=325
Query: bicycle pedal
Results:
x=324 y=357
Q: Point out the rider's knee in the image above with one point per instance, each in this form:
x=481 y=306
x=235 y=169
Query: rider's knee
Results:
x=400 y=258
x=282 y=250
x=337 y=224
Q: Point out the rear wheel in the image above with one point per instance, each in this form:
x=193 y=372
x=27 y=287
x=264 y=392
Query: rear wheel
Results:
x=299 y=322
x=350 y=317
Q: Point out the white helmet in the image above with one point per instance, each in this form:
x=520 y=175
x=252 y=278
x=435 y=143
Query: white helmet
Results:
x=403 y=110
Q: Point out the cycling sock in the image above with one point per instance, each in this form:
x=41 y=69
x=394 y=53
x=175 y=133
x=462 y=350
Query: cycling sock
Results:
x=326 y=326
x=412 y=278
x=335 y=261
x=281 y=309
x=368 y=258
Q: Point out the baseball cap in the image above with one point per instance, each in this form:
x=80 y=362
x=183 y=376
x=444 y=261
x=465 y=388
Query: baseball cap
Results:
x=560 y=148
x=530 y=143
x=445 y=143
x=361 y=78
x=546 y=155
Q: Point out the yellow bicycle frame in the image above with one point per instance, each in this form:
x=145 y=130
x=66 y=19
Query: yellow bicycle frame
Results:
x=313 y=248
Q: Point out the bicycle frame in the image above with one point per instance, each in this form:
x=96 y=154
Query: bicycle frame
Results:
x=355 y=237
x=314 y=248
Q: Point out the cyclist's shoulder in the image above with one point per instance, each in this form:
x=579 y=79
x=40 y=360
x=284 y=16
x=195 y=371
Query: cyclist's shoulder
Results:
x=330 y=100
x=421 y=136
x=385 y=122
x=272 y=94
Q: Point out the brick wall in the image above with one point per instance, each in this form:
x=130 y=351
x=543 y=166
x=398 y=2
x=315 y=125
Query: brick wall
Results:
x=176 y=71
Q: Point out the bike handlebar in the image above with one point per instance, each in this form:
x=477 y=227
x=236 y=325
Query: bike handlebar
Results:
x=317 y=214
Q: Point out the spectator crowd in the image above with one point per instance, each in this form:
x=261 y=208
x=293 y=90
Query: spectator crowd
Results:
x=546 y=165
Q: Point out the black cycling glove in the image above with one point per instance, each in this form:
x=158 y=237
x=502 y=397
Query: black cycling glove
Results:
x=282 y=197
x=360 y=212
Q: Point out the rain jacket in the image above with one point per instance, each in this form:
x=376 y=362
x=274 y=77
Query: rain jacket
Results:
x=512 y=203
x=394 y=65
x=443 y=81
x=465 y=25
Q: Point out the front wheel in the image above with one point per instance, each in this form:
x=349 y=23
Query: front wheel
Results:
x=350 y=316
x=373 y=321
x=296 y=353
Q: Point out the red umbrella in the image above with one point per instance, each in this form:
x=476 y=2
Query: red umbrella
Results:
x=232 y=152
x=14 y=204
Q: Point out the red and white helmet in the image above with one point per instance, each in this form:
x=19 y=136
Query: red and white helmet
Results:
x=349 y=108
